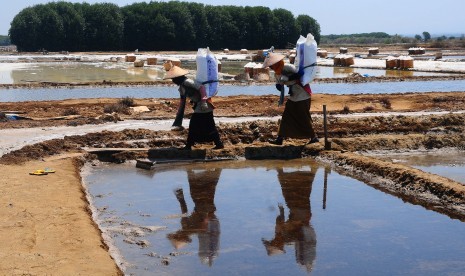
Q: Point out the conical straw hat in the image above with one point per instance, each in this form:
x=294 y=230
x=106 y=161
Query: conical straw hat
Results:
x=271 y=59
x=175 y=72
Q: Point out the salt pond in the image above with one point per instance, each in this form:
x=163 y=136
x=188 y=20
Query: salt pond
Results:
x=42 y=94
x=450 y=164
x=66 y=72
x=267 y=218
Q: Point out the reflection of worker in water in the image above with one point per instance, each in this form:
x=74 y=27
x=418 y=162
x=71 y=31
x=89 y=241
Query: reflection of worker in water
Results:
x=202 y=221
x=296 y=187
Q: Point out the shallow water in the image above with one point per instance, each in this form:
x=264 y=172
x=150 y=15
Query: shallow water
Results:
x=448 y=164
x=453 y=57
x=69 y=72
x=268 y=218
x=41 y=94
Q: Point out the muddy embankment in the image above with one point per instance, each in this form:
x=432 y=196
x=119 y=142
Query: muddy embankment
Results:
x=350 y=137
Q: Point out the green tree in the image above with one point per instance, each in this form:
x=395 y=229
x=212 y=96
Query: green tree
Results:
x=284 y=28
x=241 y=27
x=24 y=30
x=223 y=30
x=258 y=32
x=51 y=31
x=184 y=31
x=134 y=28
x=307 y=24
x=418 y=37
x=201 y=25
x=103 y=28
x=426 y=36
x=73 y=22
x=169 y=25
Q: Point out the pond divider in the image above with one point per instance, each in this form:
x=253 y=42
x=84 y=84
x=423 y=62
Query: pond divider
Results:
x=413 y=185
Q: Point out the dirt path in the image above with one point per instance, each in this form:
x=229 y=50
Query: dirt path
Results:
x=14 y=139
x=45 y=227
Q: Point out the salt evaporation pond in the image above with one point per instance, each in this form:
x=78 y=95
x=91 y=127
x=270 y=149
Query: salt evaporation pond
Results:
x=66 y=72
x=267 y=218
x=42 y=94
x=450 y=164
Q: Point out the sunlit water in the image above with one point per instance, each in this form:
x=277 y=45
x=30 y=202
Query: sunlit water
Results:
x=453 y=57
x=268 y=218
x=448 y=164
x=41 y=94
x=71 y=72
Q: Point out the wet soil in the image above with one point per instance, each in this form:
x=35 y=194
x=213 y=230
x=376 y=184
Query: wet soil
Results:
x=92 y=111
x=350 y=135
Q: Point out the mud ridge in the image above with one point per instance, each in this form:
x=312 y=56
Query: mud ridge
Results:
x=431 y=191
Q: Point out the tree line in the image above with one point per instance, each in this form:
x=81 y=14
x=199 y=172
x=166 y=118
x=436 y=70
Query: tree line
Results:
x=362 y=38
x=173 y=25
x=384 y=38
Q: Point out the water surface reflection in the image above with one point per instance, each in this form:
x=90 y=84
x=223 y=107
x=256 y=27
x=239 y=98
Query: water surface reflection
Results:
x=202 y=221
x=296 y=230
x=450 y=164
x=268 y=218
x=41 y=94
x=79 y=72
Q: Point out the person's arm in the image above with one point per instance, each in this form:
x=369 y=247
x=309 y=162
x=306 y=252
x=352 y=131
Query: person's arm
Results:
x=203 y=97
x=281 y=95
x=180 y=114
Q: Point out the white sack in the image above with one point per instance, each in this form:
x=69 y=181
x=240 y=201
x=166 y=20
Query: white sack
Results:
x=207 y=71
x=306 y=55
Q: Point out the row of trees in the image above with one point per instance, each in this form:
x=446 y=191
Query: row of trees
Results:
x=383 y=38
x=362 y=38
x=155 y=26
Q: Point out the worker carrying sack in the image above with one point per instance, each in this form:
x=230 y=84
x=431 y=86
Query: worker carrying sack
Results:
x=305 y=59
x=207 y=71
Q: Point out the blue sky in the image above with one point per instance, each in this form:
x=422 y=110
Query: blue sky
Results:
x=335 y=16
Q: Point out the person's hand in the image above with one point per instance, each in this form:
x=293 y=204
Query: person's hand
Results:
x=203 y=106
x=283 y=78
x=279 y=87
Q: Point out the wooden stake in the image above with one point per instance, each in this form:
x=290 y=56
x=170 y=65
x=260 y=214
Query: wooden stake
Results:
x=327 y=143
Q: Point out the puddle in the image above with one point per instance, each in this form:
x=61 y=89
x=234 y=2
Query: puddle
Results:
x=448 y=164
x=42 y=94
x=460 y=58
x=69 y=72
x=344 y=72
x=267 y=218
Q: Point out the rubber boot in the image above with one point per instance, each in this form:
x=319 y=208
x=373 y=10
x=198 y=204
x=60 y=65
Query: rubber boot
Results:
x=218 y=144
x=188 y=146
x=278 y=141
x=314 y=140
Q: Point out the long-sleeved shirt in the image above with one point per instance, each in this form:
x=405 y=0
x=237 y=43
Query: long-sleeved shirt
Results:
x=288 y=78
x=195 y=92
